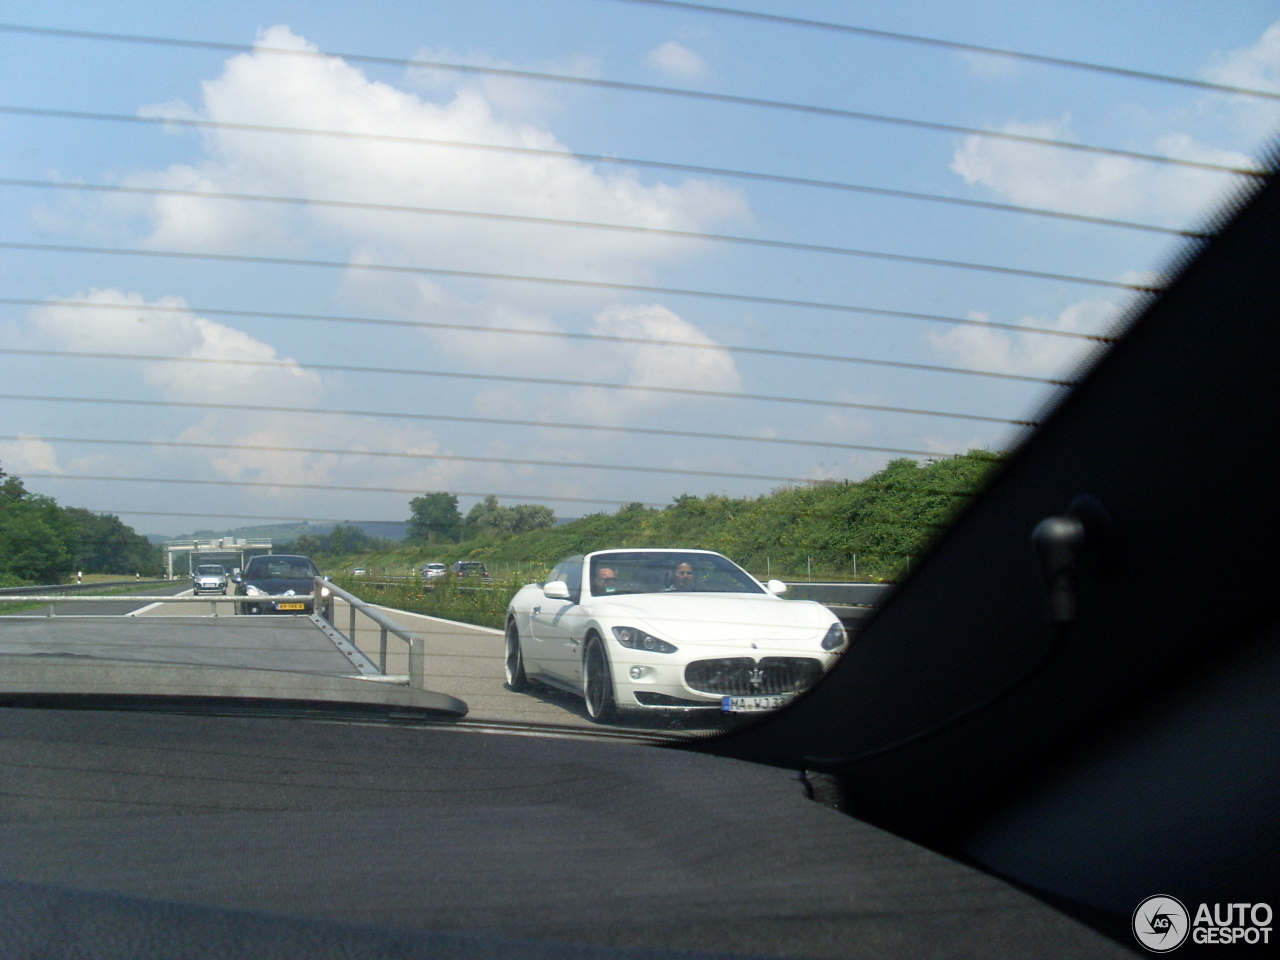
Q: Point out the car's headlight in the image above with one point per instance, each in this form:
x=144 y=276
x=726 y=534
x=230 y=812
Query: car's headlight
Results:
x=639 y=640
x=835 y=637
x=253 y=591
x=325 y=591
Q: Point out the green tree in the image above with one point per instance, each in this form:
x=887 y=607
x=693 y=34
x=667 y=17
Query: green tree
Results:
x=31 y=547
x=33 y=540
x=489 y=516
x=434 y=516
x=101 y=543
x=531 y=516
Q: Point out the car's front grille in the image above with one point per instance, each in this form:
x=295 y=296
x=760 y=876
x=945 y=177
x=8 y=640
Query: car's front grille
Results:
x=743 y=676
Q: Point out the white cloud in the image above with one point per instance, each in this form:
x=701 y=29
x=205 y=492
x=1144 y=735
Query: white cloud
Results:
x=675 y=59
x=1093 y=184
x=707 y=366
x=985 y=347
x=1256 y=67
x=29 y=454
x=326 y=93
x=505 y=94
x=1113 y=186
x=287 y=436
x=125 y=323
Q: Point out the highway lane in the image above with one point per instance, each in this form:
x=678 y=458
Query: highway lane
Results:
x=461 y=660
x=467 y=662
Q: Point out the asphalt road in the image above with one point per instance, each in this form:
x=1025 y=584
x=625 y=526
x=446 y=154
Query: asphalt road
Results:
x=465 y=661
x=461 y=660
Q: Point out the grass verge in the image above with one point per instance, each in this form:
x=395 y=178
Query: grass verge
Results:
x=484 y=605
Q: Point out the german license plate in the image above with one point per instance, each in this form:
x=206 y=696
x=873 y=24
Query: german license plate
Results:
x=291 y=606
x=752 y=704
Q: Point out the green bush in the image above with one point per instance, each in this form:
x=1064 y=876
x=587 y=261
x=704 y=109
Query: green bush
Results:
x=467 y=601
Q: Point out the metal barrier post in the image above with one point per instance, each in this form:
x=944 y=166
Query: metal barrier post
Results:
x=382 y=651
x=417 y=663
x=351 y=632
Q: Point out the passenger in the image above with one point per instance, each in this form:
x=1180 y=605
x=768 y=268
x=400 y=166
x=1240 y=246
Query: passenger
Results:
x=605 y=581
x=682 y=578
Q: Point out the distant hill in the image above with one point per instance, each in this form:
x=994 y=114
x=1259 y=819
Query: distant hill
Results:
x=390 y=530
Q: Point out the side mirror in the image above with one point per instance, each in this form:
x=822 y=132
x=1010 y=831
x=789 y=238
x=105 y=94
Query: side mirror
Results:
x=556 y=590
x=235 y=578
x=776 y=587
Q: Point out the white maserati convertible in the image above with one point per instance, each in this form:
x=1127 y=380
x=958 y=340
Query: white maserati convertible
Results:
x=664 y=630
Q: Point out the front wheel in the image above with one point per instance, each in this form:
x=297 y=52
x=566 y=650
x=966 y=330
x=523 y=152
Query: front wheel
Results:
x=516 y=680
x=597 y=683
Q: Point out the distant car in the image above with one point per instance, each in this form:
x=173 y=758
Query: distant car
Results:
x=359 y=572
x=651 y=630
x=469 y=568
x=209 y=578
x=434 y=571
x=279 y=577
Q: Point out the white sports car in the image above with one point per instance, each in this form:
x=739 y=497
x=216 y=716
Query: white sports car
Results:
x=667 y=629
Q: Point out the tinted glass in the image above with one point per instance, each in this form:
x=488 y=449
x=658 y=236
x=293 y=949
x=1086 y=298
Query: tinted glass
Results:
x=663 y=572
x=280 y=568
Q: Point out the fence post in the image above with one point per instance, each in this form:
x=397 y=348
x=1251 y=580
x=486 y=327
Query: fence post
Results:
x=382 y=651
x=417 y=666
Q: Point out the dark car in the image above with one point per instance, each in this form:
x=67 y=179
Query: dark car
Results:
x=280 y=576
x=469 y=568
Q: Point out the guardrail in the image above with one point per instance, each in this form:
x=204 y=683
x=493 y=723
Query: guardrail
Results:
x=387 y=626
x=79 y=587
x=851 y=602
x=52 y=599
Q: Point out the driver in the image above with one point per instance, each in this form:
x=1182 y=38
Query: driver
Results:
x=682 y=578
x=604 y=581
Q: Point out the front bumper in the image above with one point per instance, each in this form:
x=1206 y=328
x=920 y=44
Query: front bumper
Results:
x=714 y=679
x=279 y=604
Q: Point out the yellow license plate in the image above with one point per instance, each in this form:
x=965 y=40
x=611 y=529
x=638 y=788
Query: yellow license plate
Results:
x=291 y=606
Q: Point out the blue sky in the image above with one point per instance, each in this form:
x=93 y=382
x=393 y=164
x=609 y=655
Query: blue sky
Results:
x=217 y=312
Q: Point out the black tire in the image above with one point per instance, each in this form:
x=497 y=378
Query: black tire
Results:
x=516 y=679
x=597 y=682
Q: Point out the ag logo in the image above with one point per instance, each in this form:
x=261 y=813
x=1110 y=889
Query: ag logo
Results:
x=1161 y=923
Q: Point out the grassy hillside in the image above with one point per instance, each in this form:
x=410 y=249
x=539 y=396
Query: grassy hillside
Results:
x=868 y=530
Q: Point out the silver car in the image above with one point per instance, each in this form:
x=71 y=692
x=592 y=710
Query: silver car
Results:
x=209 y=578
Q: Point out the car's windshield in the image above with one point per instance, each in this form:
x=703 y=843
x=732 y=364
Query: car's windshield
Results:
x=666 y=572
x=280 y=568
x=453 y=301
